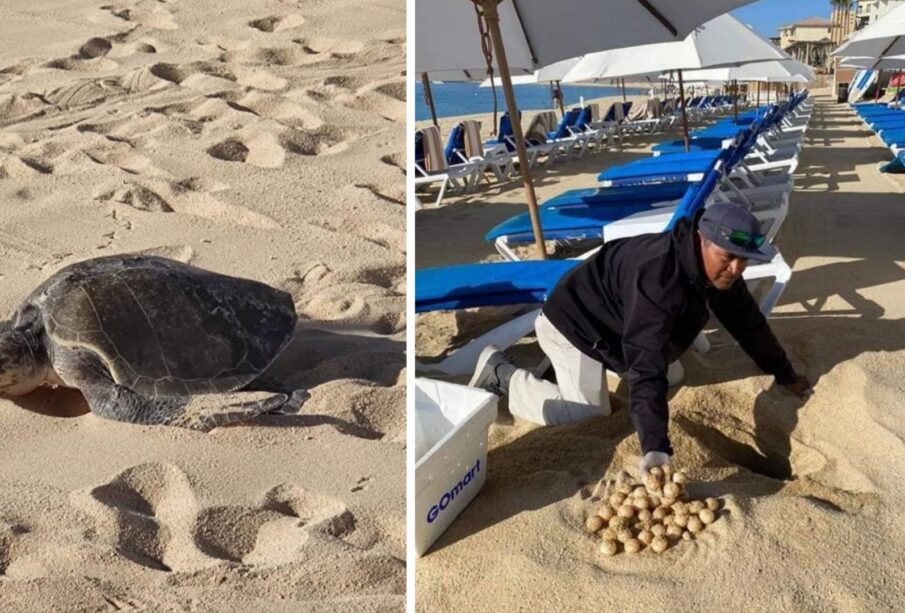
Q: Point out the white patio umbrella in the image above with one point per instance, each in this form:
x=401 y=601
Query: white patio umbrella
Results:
x=891 y=62
x=784 y=71
x=459 y=35
x=723 y=41
x=882 y=38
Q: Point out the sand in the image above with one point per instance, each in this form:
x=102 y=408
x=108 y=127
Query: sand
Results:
x=813 y=490
x=261 y=139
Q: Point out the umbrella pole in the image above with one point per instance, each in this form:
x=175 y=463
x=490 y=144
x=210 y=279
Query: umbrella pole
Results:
x=562 y=110
x=492 y=18
x=623 y=90
x=684 y=115
x=877 y=97
x=898 y=87
x=428 y=96
x=735 y=100
x=757 y=104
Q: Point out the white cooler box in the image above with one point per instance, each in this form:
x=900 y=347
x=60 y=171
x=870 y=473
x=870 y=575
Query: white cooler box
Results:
x=451 y=423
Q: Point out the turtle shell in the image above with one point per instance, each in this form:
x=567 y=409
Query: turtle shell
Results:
x=164 y=327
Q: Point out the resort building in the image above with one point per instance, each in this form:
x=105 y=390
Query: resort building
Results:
x=809 y=41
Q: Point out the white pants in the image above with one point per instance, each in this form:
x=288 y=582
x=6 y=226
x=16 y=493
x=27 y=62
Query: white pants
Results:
x=579 y=393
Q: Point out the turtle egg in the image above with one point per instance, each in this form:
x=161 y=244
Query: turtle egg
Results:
x=658 y=529
x=616 y=500
x=626 y=511
x=656 y=471
x=680 y=508
x=707 y=516
x=644 y=515
x=632 y=546
x=594 y=523
x=669 y=520
x=672 y=490
x=641 y=503
x=659 y=544
x=680 y=477
x=667 y=471
x=605 y=512
x=655 y=501
x=696 y=506
x=608 y=548
x=652 y=483
x=617 y=522
x=680 y=520
x=623 y=477
x=646 y=536
x=687 y=536
x=695 y=525
x=713 y=504
x=659 y=513
x=624 y=488
x=639 y=491
x=674 y=531
x=624 y=535
x=608 y=534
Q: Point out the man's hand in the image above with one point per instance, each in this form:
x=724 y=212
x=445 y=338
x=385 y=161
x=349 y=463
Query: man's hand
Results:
x=654 y=458
x=801 y=387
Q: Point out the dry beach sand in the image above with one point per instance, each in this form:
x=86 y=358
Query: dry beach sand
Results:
x=261 y=139
x=813 y=490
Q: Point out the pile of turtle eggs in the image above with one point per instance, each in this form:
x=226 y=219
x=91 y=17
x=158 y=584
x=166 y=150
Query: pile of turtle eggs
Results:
x=652 y=516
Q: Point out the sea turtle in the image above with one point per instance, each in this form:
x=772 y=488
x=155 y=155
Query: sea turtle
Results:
x=149 y=340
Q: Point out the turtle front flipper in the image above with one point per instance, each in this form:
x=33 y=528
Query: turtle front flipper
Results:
x=86 y=371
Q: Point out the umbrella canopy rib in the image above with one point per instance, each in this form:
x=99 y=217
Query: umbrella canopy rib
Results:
x=659 y=17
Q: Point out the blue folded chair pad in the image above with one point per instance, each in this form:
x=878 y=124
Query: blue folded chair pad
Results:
x=573 y=222
x=498 y=283
x=678 y=166
x=595 y=196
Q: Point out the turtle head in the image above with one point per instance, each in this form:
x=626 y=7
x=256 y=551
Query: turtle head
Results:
x=22 y=364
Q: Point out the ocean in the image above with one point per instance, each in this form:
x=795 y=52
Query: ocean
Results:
x=451 y=99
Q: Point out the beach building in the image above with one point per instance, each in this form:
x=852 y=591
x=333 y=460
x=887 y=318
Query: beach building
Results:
x=809 y=41
x=868 y=11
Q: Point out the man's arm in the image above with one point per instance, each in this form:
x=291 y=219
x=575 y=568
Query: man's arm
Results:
x=741 y=316
x=645 y=345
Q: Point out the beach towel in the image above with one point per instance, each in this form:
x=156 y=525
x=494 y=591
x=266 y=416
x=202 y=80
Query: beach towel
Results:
x=537 y=130
x=472 y=137
x=434 y=160
x=595 y=112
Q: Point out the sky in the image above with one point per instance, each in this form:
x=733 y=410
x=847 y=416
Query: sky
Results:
x=766 y=15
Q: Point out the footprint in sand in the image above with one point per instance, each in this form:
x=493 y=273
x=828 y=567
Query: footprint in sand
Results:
x=258 y=149
x=277 y=23
x=277 y=108
x=146 y=13
x=18 y=107
x=278 y=56
x=324 y=140
x=395 y=159
x=11 y=546
x=146 y=512
x=121 y=155
x=150 y=515
x=188 y=198
x=15 y=167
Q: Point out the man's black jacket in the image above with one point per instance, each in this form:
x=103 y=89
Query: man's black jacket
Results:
x=640 y=302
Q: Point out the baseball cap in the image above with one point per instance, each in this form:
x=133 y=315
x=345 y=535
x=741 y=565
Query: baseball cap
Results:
x=733 y=228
